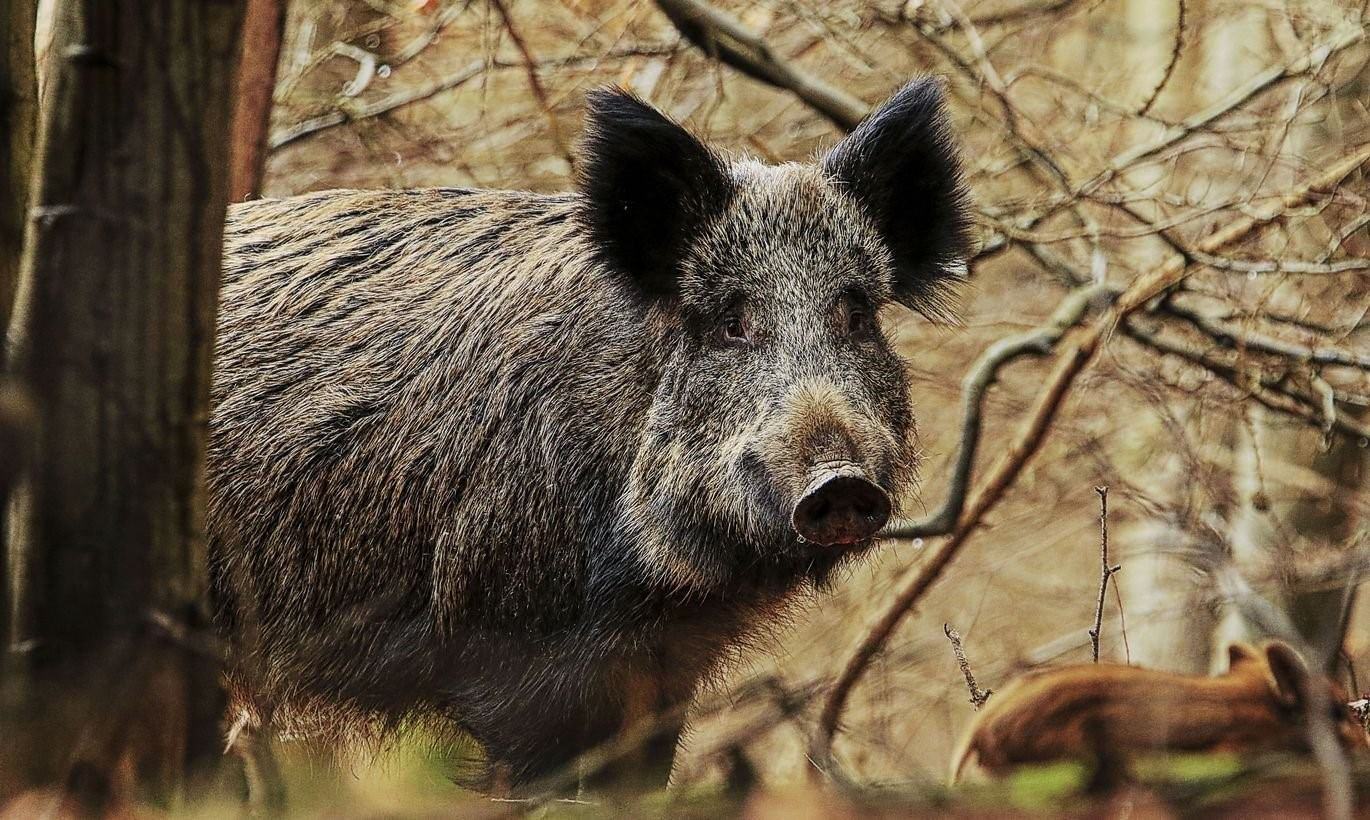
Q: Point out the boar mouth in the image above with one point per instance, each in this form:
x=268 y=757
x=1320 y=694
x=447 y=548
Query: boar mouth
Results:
x=840 y=507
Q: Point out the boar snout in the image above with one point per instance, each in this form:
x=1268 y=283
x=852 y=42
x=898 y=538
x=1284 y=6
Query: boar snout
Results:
x=840 y=506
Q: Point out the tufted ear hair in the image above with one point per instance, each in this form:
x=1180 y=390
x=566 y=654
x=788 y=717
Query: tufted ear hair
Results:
x=647 y=186
x=901 y=165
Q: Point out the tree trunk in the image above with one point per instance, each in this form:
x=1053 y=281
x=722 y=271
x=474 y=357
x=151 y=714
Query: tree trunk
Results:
x=114 y=326
x=18 y=123
x=18 y=126
x=263 y=28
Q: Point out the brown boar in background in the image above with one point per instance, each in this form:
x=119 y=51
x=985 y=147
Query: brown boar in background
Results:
x=539 y=464
x=1087 y=710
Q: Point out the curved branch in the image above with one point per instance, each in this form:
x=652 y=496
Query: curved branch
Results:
x=723 y=37
x=985 y=371
x=1172 y=61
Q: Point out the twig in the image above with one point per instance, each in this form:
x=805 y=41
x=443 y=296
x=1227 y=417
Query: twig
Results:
x=1106 y=572
x=1229 y=336
x=1337 y=40
x=360 y=111
x=366 y=68
x=1122 y=623
x=1273 y=393
x=534 y=82
x=977 y=697
x=723 y=37
x=1026 y=11
x=1069 y=196
x=1171 y=61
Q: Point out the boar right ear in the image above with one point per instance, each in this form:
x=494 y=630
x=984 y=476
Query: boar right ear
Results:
x=1289 y=677
x=647 y=186
x=901 y=165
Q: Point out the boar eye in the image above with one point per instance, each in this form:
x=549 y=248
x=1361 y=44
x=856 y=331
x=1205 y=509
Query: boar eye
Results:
x=733 y=331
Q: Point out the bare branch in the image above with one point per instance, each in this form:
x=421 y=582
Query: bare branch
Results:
x=534 y=82
x=982 y=375
x=1229 y=336
x=722 y=36
x=1171 y=61
x=1337 y=41
x=977 y=697
x=1106 y=571
x=1270 y=393
x=423 y=91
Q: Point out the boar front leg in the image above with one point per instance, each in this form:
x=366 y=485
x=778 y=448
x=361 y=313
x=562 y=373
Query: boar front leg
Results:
x=641 y=754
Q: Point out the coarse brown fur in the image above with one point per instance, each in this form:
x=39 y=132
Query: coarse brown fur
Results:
x=1070 y=712
x=488 y=455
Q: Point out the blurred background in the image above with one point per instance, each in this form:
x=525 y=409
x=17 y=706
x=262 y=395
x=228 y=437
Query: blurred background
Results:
x=1103 y=139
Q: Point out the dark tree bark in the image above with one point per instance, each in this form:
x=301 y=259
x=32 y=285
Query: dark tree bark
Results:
x=113 y=333
x=18 y=126
x=263 y=28
x=18 y=123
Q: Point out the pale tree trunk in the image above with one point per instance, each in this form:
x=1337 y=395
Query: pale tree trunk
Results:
x=1299 y=515
x=113 y=332
x=263 y=29
x=1169 y=617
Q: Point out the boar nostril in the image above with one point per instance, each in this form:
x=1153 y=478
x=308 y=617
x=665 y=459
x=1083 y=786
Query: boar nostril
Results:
x=840 y=507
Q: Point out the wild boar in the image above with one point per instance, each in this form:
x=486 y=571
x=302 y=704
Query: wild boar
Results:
x=540 y=464
x=1087 y=711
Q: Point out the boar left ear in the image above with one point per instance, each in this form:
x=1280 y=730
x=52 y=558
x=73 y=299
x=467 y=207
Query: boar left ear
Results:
x=1288 y=674
x=901 y=165
x=1240 y=653
x=647 y=185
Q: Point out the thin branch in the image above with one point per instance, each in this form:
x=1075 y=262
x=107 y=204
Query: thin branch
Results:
x=1122 y=623
x=1337 y=41
x=1106 y=571
x=1171 y=61
x=534 y=81
x=360 y=111
x=1026 y=11
x=1252 y=340
x=977 y=697
x=723 y=37
x=1272 y=394
x=367 y=64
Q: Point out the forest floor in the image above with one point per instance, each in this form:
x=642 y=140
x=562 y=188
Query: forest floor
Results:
x=1202 y=786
